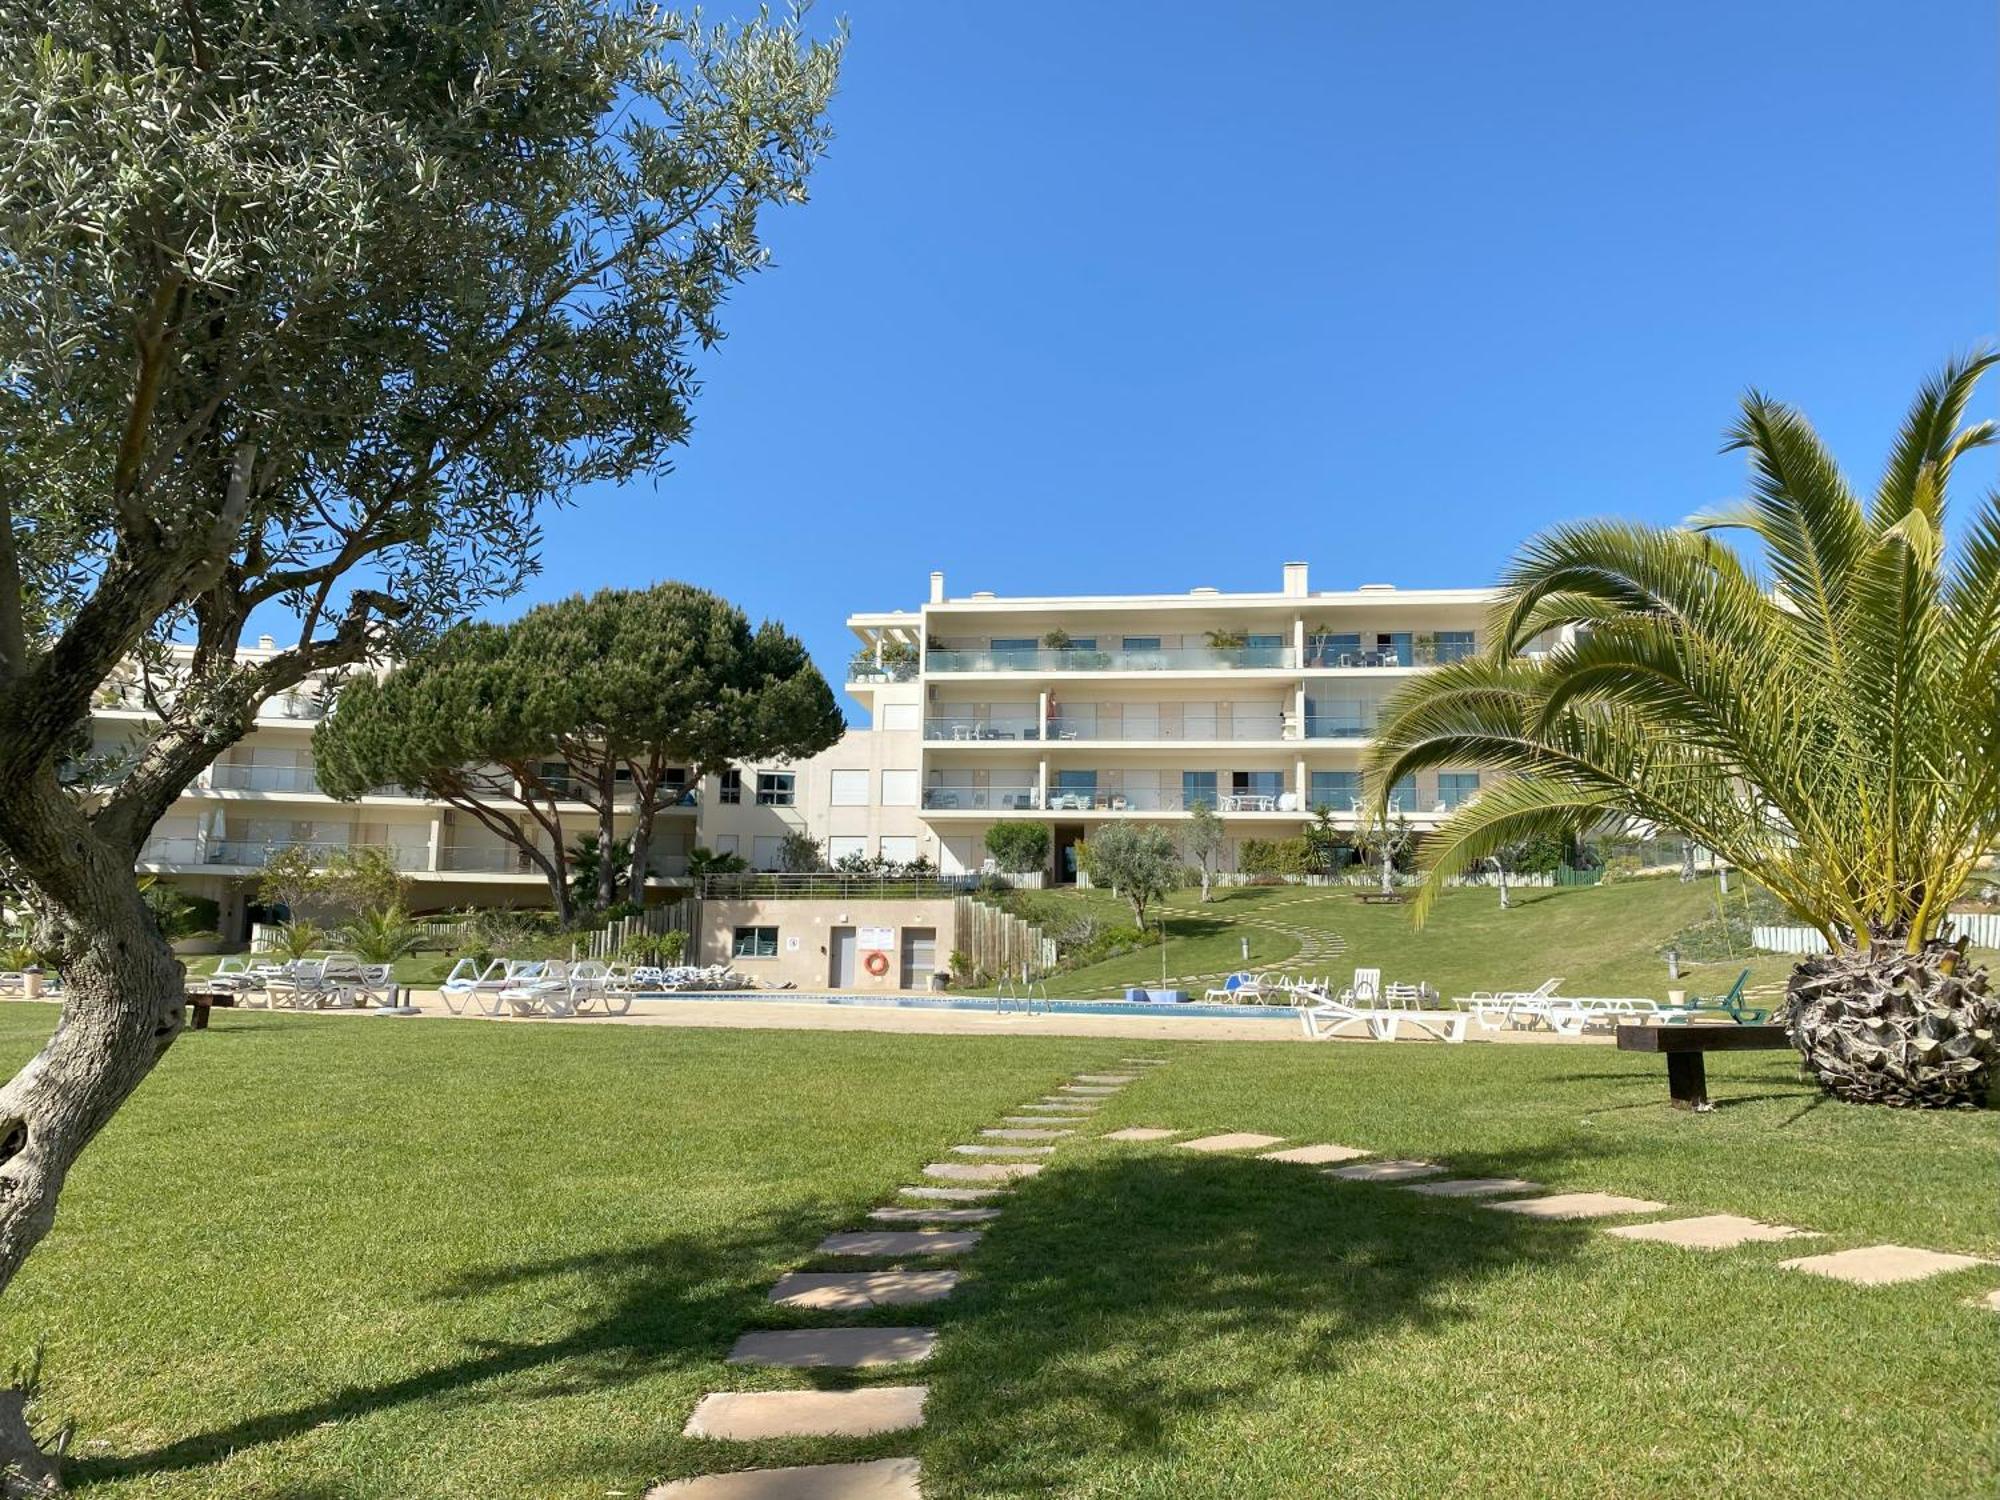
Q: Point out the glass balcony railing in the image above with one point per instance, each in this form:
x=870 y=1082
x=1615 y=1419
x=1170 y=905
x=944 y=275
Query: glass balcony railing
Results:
x=976 y=798
x=1327 y=656
x=255 y=853
x=486 y=859
x=255 y=778
x=1239 y=726
x=1077 y=659
x=971 y=729
x=1350 y=724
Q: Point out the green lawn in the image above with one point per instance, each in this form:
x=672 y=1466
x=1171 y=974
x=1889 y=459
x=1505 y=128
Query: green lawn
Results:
x=339 y=1257
x=1602 y=940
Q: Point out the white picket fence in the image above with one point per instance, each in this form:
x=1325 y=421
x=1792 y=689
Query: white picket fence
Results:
x=1983 y=927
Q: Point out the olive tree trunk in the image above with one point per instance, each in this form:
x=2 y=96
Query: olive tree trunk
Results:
x=123 y=1003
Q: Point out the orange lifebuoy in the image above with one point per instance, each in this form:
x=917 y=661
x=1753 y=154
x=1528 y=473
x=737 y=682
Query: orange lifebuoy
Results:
x=876 y=963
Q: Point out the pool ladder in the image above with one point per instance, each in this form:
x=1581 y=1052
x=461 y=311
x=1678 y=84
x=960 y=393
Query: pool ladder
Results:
x=1022 y=997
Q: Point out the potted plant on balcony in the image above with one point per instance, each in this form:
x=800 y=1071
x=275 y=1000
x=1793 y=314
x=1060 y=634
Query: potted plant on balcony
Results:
x=1226 y=640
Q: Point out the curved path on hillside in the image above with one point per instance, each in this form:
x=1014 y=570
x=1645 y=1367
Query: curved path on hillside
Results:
x=1318 y=947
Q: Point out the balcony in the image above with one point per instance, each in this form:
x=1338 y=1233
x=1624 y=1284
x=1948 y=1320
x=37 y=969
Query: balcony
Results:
x=1349 y=655
x=1355 y=722
x=242 y=777
x=965 y=730
x=1046 y=659
x=975 y=798
x=254 y=854
x=1259 y=727
x=1101 y=800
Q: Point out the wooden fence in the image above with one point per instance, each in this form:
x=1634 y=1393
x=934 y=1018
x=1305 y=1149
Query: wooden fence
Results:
x=671 y=916
x=997 y=943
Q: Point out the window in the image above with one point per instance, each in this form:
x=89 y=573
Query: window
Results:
x=1326 y=649
x=1403 y=795
x=848 y=789
x=841 y=846
x=674 y=788
x=775 y=788
x=1457 y=787
x=1264 y=642
x=1338 y=790
x=1142 y=643
x=725 y=843
x=755 y=942
x=732 y=786
x=1198 y=786
x=764 y=850
x=1453 y=645
x=899 y=788
x=899 y=848
x=900 y=716
x=1084 y=643
x=1013 y=643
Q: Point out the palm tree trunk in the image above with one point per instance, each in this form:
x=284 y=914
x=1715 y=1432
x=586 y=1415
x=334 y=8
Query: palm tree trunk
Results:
x=1883 y=1025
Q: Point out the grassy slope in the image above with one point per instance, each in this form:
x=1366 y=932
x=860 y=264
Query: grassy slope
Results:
x=1603 y=940
x=326 y=1257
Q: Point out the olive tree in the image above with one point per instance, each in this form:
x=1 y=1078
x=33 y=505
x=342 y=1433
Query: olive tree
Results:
x=1136 y=860
x=308 y=311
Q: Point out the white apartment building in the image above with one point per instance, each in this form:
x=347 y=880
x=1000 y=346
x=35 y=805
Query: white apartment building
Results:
x=1070 y=711
x=1074 y=711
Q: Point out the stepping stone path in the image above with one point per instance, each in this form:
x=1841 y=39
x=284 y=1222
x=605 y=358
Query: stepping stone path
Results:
x=900 y=1242
x=1140 y=1133
x=1144 y=1062
x=1117 y=1078
x=1477 y=1187
x=1991 y=1300
x=747 y=1416
x=1314 y=1156
x=884 y=1479
x=1386 y=1171
x=1040 y=1119
x=1709 y=1232
x=1240 y=1140
x=953 y=1195
x=853 y=1291
x=1577 y=1206
x=834 y=1348
x=933 y=1215
x=1882 y=1265
x=965 y=1171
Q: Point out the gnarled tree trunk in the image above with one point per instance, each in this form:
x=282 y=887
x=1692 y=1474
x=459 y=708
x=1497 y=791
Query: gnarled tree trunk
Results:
x=123 y=1003
x=1887 y=1026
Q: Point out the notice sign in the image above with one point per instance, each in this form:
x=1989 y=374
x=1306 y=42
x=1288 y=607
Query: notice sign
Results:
x=876 y=939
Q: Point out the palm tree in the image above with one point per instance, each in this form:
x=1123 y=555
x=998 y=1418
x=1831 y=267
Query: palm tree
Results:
x=1830 y=725
x=382 y=934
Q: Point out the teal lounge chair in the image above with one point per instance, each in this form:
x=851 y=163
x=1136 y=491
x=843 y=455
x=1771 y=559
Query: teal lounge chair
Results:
x=1731 y=1005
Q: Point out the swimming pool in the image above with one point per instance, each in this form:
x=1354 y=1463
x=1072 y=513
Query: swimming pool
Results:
x=982 y=1003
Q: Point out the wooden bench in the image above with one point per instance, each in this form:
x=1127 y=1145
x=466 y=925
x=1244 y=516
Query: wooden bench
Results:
x=1377 y=898
x=1687 y=1074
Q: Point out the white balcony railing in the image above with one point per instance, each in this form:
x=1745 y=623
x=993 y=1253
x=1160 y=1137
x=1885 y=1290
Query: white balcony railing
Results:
x=1080 y=659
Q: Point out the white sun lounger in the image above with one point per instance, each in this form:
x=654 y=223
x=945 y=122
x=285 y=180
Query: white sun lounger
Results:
x=1327 y=1017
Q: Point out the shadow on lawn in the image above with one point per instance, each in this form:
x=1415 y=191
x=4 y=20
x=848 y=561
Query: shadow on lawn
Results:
x=1134 y=1297
x=674 y=1299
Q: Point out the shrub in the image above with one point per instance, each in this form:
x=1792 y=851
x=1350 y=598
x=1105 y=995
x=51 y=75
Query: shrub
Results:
x=1019 y=848
x=1285 y=857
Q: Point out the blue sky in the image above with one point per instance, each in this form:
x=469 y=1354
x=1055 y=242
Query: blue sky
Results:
x=1097 y=297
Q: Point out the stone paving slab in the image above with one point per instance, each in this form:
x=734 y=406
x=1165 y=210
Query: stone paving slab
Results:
x=1056 y=1105
x=1235 y=1140
x=1013 y=1151
x=1144 y=1062
x=1709 y=1232
x=1118 y=1078
x=1314 y=1156
x=899 y=1242
x=1576 y=1206
x=1088 y=1090
x=1022 y=1133
x=750 y=1416
x=1477 y=1187
x=954 y=1195
x=1882 y=1265
x=967 y=1171
x=1991 y=1300
x=1140 y=1133
x=1386 y=1171
x=851 y=1291
x=834 y=1348
x=884 y=1479
x=934 y=1215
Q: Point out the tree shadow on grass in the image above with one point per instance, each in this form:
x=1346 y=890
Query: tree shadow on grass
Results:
x=670 y=1300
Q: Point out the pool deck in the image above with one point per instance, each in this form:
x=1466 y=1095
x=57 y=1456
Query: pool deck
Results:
x=767 y=1013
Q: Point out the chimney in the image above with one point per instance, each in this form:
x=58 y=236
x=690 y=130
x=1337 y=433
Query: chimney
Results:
x=1295 y=580
x=937 y=588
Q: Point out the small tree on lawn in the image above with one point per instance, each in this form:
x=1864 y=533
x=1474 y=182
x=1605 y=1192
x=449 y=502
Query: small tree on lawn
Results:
x=1019 y=848
x=1201 y=842
x=1385 y=836
x=309 y=309
x=1136 y=860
